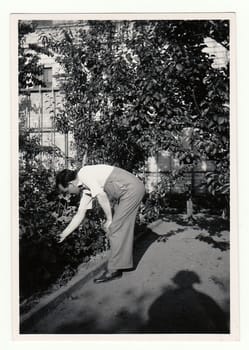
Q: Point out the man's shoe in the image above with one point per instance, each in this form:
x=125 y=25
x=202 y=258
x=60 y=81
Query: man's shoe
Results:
x=108 y=276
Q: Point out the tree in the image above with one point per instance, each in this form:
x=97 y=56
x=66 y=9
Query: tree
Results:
x=131 y=87
x=30 y=69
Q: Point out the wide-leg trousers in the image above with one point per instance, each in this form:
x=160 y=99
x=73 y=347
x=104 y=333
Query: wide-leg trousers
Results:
x=127 y=191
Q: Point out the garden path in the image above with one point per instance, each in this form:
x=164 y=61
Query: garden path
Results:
x=180 y=284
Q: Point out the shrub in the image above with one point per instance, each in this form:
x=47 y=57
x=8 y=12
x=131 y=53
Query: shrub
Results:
x=43 y=215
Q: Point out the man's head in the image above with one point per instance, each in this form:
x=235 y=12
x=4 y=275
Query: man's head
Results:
x=66 y=181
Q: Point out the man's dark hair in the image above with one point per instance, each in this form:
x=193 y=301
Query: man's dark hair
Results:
x=65 y=176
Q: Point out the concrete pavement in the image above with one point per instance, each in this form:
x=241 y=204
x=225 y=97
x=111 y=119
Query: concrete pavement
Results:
x=180 y=284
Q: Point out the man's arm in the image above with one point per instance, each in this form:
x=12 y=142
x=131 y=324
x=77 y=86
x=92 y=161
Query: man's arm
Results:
x=74 y=223
x=106 y=206
x=85 y=204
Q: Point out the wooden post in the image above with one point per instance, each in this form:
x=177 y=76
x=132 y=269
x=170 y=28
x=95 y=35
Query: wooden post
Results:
x=189 y=208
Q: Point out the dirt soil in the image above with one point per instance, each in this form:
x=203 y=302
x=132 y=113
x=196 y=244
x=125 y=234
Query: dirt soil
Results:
x=179 y=284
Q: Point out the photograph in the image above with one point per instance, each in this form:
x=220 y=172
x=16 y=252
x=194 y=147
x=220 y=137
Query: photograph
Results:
x=124 y=175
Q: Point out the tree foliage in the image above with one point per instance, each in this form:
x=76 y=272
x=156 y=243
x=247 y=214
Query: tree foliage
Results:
x=30 y=68
x=43 y=213
x=131 y=88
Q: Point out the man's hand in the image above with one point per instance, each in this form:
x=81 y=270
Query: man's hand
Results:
x=62 y=236
x=107 y=225
x=75 y=222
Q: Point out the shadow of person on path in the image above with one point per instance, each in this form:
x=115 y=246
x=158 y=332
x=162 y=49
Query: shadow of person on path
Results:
x=185 y=310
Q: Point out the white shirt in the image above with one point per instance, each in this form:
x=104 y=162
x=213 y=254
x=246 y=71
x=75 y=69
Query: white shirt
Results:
x=94 y=177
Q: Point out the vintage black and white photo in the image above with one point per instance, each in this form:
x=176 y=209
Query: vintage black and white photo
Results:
x=124 y=174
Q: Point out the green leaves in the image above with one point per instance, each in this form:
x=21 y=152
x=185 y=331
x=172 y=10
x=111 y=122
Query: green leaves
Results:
x=131 y=88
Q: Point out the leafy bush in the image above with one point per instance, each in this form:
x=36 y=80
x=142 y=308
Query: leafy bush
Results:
x=43 y=215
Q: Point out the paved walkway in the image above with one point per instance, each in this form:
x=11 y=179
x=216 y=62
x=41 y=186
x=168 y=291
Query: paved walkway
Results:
x=180 y=284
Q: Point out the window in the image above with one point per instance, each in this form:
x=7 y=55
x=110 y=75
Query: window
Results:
x=47 y=77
